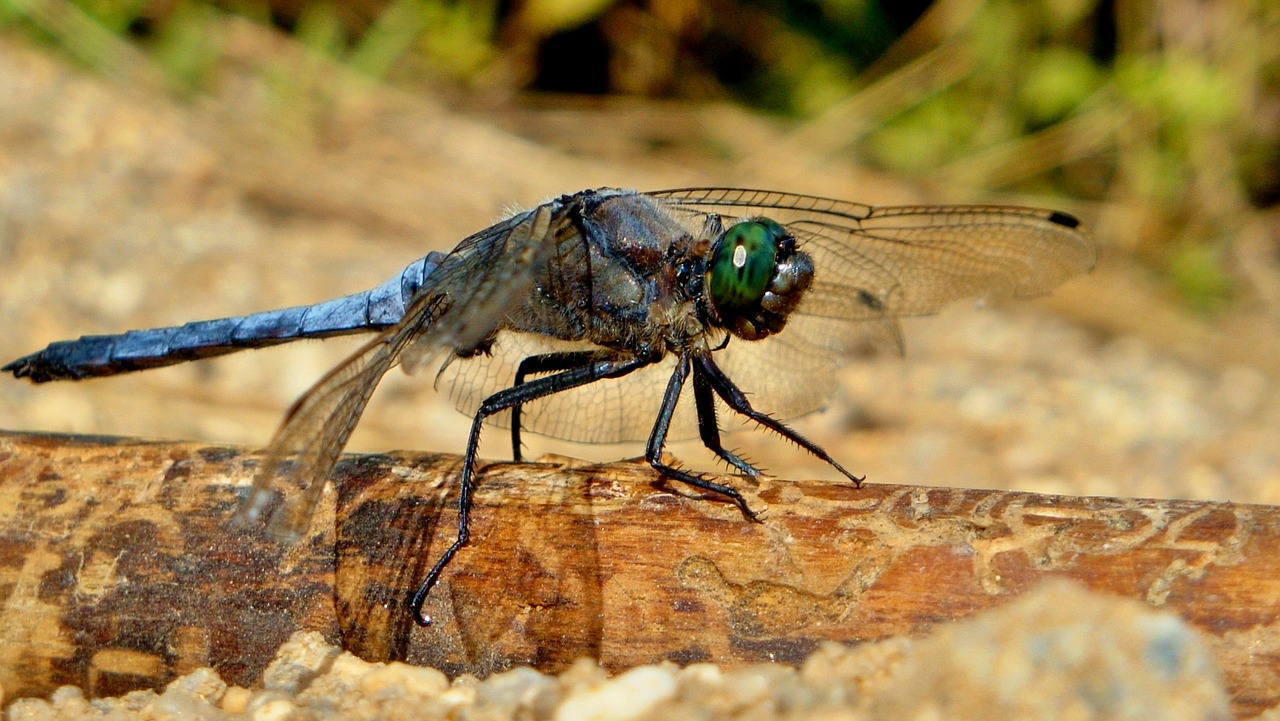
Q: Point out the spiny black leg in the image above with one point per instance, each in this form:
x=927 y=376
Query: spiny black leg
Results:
x=544 y=363
x=496 y=403
x=707 y=428
x=737 y=400
x=658 y=438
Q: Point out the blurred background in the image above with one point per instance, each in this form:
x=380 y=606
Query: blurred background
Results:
x=166 y=161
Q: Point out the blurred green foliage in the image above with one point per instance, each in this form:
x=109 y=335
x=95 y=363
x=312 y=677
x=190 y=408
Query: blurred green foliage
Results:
x=1163 y=107
x=187 y=46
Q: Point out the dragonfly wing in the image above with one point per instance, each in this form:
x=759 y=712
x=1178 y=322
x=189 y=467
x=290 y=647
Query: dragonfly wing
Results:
x=613 y=410
x=447 y=314
x=791 y=370
x=909 y=260
x=483 y=279
x=914 y=261
x=874 y=265
x=791 y=374
x=306 y=447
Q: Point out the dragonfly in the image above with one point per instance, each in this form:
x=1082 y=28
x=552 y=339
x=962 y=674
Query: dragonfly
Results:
x=587 y=316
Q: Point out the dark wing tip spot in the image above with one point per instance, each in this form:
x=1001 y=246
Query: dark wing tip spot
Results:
x=1064 y=219
x=870 y=300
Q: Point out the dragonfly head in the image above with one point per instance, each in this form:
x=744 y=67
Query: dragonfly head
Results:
x=756 y=277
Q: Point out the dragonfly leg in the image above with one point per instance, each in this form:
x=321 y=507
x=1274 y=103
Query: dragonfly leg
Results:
x=737 y=400
x=708 y=429
x=658 y=438
x=496 y=403
x=536 y=365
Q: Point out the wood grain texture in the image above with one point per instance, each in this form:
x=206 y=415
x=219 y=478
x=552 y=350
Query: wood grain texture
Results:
x=118 y=570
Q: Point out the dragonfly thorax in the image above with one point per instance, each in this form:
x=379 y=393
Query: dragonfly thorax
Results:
x=755 y=278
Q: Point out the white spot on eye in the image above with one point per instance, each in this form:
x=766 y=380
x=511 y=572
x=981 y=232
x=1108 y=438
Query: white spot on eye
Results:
x=739 y=256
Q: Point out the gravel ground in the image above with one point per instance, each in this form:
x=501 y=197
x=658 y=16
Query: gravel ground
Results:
x=1153 y=667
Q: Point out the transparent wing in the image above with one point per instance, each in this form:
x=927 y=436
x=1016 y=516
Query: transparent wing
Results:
x=463 y=301
x=316 y=429
x=609 y=411
x=874 y=265
x=624 y=409
x=484 y=278
x=909 y=260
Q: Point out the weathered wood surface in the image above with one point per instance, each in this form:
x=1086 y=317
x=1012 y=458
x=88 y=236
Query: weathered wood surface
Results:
x=118 y=570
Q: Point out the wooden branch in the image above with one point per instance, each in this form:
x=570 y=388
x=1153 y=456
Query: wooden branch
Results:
x=118 y=570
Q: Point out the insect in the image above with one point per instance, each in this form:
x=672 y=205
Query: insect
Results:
x=587 y=316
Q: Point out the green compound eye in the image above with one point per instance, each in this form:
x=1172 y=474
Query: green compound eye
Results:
x=742 y=265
